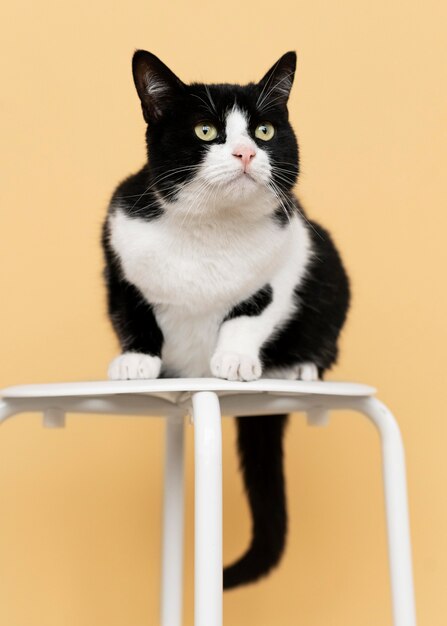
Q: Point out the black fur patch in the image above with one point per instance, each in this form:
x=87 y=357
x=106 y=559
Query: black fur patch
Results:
x=136 y=196
x=260 y=446
x=253 y=305
x=132 y=316
x=322 y=303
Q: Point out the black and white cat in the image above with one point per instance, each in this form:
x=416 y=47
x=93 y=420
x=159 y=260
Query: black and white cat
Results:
x=212 y=268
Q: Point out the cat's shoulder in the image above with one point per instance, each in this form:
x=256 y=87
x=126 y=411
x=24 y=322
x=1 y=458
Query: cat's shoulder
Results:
x=135 y=197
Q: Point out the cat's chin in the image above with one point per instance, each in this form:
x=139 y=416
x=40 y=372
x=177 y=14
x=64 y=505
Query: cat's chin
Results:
x=243 y=186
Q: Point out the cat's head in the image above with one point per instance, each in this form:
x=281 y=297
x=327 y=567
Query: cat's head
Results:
x=218 y=146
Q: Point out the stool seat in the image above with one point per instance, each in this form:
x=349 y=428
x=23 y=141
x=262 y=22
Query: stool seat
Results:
x=173 y=396
x=175 y=385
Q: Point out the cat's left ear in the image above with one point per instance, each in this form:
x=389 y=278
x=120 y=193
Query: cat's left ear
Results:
x=275 y=86
x=156 y=84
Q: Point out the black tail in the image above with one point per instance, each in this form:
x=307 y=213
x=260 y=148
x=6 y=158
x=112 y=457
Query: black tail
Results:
x=260 y=445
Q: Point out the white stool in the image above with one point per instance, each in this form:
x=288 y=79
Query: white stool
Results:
x=204 y=400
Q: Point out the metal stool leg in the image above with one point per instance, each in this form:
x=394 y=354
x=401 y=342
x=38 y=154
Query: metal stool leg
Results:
x=399 y=543
x=208 y=509
x=6 y=411
x=172 y=558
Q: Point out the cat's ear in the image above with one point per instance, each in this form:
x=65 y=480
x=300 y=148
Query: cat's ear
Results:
x=156 y=85
x=275 y=86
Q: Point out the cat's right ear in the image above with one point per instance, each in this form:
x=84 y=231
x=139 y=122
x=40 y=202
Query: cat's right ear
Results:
x=156 y=85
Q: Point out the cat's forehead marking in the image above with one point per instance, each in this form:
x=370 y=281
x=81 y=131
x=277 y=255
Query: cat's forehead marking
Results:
x=236 y=123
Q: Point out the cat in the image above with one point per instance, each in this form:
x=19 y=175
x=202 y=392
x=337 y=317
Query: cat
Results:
x=213 y=269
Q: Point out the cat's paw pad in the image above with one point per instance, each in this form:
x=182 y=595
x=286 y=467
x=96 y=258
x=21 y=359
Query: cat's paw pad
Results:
x=235 y=366
x=307 y=372
x=134 y=365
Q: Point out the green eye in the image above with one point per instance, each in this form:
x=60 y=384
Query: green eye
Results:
x=265 y=131
x=206 y=131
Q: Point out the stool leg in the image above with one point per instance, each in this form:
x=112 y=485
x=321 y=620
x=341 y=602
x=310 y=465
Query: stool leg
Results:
x=208 y=509
x=172 y=557
x=399 y=543
x=6 y=411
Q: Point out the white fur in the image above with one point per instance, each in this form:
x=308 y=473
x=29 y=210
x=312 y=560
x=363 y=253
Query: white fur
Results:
x=307 y=371
x=246 y=334
x=304 y=371
x=131 y=365
x=209 y=251
x=155 y=87
x=236 y=366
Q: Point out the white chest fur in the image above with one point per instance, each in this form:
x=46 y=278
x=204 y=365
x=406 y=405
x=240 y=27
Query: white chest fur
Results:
x=194 y=274
x=199 y=267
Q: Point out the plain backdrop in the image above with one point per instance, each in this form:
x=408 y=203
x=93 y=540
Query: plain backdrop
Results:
x=80 y=508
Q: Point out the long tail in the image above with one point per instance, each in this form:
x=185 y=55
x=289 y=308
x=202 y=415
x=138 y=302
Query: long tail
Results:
x=260 y=446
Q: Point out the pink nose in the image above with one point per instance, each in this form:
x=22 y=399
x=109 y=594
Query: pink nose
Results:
x=245 y=154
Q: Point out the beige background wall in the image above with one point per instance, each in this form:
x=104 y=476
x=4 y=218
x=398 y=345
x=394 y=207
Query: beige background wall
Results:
x=80 y=508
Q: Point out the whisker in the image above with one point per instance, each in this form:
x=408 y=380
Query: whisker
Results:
x=153 y=182
x=156 y=180
x=210 y=98
x=207 y=106
x=304 y=217
x=200 y=194
x=267 y=81
x=286 y=163
x=284 y=179
x=275 y=190
x=287 y=171
x=270 y=104
x=160 y=178
x=286 y=77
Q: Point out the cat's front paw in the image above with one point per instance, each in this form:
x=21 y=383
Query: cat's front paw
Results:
x=235 y=366
x=134 y=365
x=307 y=371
